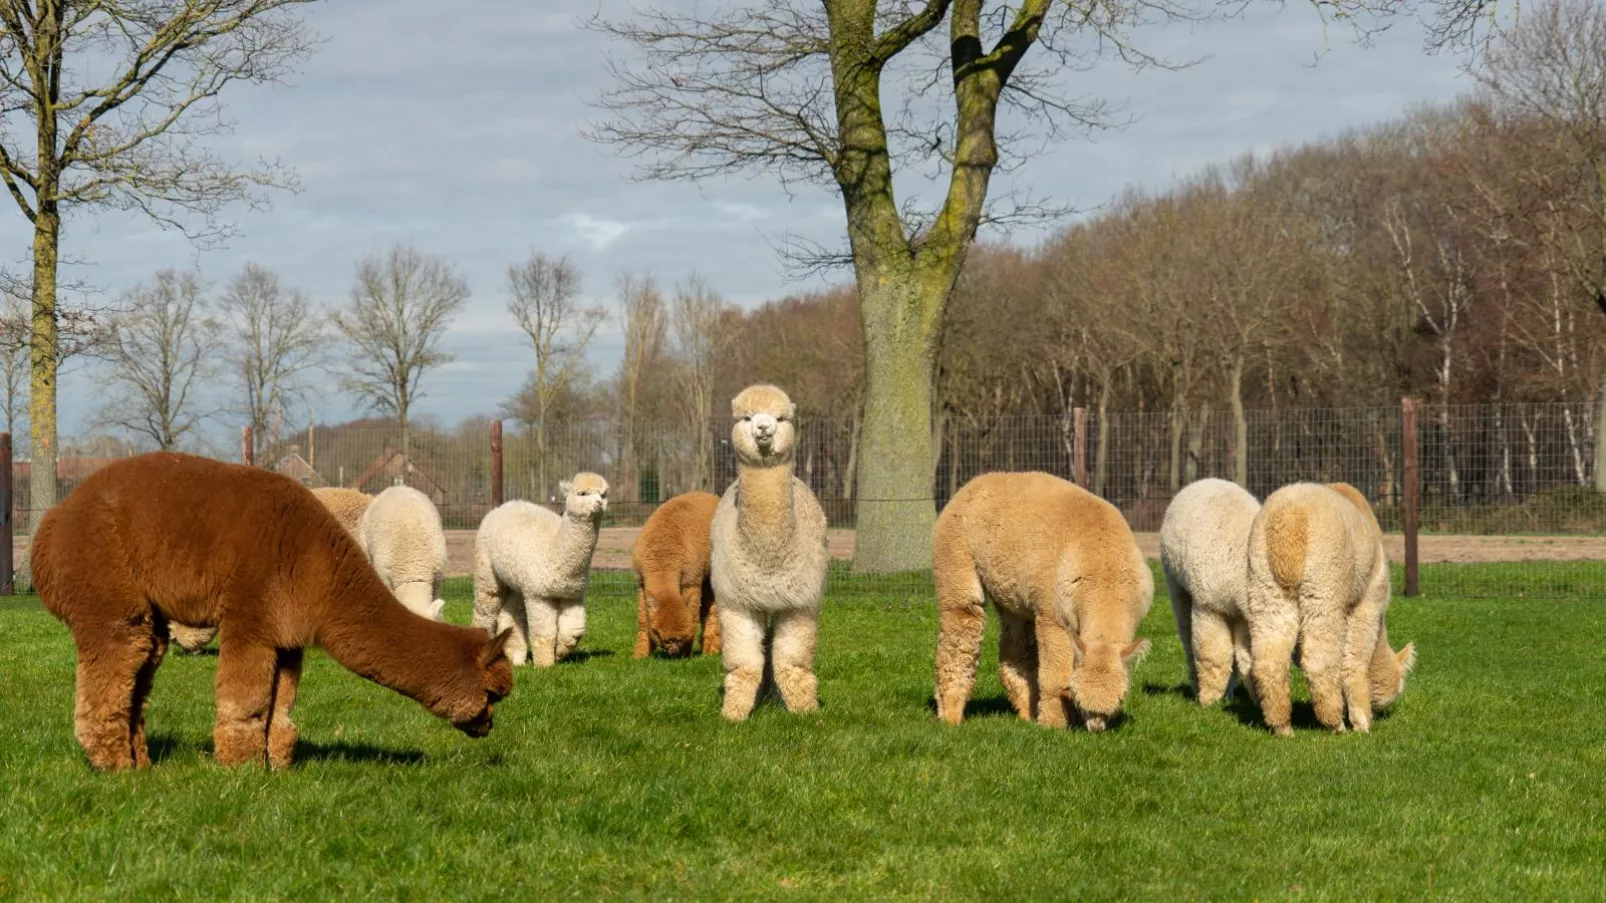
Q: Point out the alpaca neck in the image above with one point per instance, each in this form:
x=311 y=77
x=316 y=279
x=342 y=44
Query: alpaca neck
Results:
x=766 y=499
x=371 y=634
x=574 y=544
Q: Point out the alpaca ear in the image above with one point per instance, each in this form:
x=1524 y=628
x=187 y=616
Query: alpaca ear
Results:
x=1407 y=658
x=791 y=411
x=493 y=648
x=1132 y=653
x=564 y=486
x=435 y=609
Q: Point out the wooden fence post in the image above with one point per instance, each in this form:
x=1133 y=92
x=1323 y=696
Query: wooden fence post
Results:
x=496 y=463
x=1079 y=424
x=1412 y=494
x=7 y=561
x=248 y=451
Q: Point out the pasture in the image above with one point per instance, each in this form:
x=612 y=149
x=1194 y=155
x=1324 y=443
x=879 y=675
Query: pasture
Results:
x=610 y=778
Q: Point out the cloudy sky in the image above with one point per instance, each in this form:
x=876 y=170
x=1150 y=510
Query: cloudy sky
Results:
x=462 y=135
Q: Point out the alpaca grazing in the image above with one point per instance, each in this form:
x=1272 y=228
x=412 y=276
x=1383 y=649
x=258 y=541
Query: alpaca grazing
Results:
x=1318 y=578
x=347 y=505
x=673 y=593
x=402 y=536
x=768 y=559
x=1204 y=553
x=531 y=569
x=1070 y=586
x=1388 y=668
x=164 y=537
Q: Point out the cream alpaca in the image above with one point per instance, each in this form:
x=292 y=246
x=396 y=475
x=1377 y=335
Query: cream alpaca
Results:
x=1204 y=551
x=1070 y=585
x=1388 y=668
x=1318 y=577
x=767 y=559
x=531 y=569
x=401 y=534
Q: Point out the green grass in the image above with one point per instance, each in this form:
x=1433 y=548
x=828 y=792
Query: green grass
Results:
x=609 y=778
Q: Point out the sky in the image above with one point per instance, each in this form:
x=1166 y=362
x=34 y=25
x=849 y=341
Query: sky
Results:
x=462 y=135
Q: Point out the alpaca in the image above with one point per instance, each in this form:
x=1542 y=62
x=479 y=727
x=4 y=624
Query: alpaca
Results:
x=190 y=640
x=673 y=593
x=531 y=569
x=1070 y=586
x=1204 y=553
x=767 y=559
x=401 y=534
x=1388 y=668
x=1318 y=578
x=347 y=505
x=163 y=537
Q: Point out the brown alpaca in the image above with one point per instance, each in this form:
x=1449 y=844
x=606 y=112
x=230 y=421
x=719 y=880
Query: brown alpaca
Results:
x=347 y=505
x=169 y=537
x=673 y=592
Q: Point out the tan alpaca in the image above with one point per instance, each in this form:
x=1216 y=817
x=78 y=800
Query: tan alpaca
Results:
x=164 y=537
x=673 y=593
x=1318 y=578
x=1070 y=585
x=1388 y=668
x=767 y=559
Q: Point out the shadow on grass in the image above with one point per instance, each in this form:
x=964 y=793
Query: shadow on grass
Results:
x=990 y=707
x=1181 y=691
x=579 y=656
x=308 y=751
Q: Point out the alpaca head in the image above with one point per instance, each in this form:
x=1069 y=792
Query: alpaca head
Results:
x=585 y=497
x=670 y=626
x=1099 y=678
x=765 y=432
x=1388 y=671
x=470 y=709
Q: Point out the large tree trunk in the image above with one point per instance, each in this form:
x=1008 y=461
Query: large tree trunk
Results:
x=895 y=509
x=43 y=355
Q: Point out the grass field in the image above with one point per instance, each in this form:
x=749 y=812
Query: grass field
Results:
x=609 y=778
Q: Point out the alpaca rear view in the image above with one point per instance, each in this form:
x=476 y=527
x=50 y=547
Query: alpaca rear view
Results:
x=169 y=537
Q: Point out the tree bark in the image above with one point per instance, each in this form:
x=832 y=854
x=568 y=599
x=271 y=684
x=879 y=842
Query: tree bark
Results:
x=43 y=354
x=1600 y=439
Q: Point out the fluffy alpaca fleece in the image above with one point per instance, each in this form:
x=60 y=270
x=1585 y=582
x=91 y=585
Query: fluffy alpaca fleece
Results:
x=1388 y=668
x=164 y=537
x=1070 y=585
x=768 y=559
x=401 y=534
x=531 y=569
x=673 y=593
x=1318 y=578
x=347 y=505
x=1204 y=552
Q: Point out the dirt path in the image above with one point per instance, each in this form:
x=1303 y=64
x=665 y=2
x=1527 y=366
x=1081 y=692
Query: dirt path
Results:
x=613 y=548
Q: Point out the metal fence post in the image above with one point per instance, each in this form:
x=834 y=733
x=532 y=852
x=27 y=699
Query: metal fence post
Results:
x=248 y=452
x=1412 y=492
x=1079 y=425
x=7 y=561
x=496 y=463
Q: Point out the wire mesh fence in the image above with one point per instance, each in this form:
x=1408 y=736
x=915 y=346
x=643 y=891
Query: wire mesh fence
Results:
x=1508 y=504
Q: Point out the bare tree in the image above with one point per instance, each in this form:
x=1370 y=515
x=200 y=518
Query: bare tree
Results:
x=107 y=105
x=645 y=319
x=704 y=330
x=796 y=89
x=401 y=305
x=277 y=339
x=546 y=302
x=159 y=354
x=14 y=360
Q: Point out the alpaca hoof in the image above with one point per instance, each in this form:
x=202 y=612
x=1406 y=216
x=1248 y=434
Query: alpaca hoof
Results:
x=1283 y=730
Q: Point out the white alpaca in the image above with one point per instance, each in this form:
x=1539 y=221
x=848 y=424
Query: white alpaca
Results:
x=400 y=531
x=1204 y=551
x=531 y=569
x=767 y=559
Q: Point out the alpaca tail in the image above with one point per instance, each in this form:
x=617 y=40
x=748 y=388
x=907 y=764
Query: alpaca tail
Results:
x=1287 y=539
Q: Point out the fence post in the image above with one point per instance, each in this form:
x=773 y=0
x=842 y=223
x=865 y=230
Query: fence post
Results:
x=248 y=452
x=496 y=463
x=1079 y=424
x=7 y=561
x=1413 y=491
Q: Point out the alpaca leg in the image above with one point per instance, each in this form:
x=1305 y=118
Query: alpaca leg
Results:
x=643 y=644
x=1243 y=658
x=1271 y=644
x=960 y=621
x=742 y=652
x=1182 y=613
x=1321 y=656
x=142 y=692
x=1212 y=655
x=542 y=616
x=489 y=596
x=792 y=658
x=1017 y=663
x=709 y=616
x=571 y=628
x=282 y=731
x=511 y=617
x=1055 y=658
x=105 y=716
x=1360 y=642
x=246 y=674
